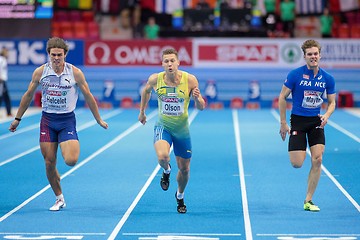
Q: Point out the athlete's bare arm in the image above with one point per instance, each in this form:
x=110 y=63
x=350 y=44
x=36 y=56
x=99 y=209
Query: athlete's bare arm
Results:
x=284 y=128
x=89 y=98
x=145 y=96
x=330 y=109
x=195 y=92
x=27 y=97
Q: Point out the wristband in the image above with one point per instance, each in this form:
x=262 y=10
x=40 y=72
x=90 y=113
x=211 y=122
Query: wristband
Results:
x=18 y=119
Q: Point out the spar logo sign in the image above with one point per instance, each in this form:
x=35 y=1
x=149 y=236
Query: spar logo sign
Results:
x=132 y=53
x=249 y=53
x=245 y=52
x=291 y=53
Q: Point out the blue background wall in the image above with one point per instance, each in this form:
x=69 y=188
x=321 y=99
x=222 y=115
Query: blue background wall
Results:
x=230 y=82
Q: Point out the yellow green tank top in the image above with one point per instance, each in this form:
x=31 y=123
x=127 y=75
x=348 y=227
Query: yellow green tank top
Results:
x=173 y=103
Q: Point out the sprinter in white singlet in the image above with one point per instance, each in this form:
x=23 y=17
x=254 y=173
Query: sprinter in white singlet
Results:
x=60 y=83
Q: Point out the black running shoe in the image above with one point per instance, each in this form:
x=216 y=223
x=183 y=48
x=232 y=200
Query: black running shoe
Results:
x=181 y=207
x=165 y=181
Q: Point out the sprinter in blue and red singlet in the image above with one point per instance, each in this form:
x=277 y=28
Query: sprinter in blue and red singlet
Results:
x=307 y=85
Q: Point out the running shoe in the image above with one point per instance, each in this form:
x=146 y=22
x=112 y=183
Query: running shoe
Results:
x=165 y=181
x=310 y=206
x=60 y=203
x=181 y=208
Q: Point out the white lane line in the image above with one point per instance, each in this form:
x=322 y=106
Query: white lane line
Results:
x=327 y=172
x=179 y=234
x=22 y=130
x=30 y=127
x=315 y=236
x=31 y=111
x=353 y=111
x=122 y=221
x=102 y=149
x=53 y=233
x=344 y=131
x=82 y=127
x=248 y=231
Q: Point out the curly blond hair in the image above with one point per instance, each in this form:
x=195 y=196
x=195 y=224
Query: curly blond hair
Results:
x=309 y=44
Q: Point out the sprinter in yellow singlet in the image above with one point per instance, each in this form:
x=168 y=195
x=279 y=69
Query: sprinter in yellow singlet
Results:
x=174 y=88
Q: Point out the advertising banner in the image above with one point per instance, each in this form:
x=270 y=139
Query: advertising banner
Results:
x=134 y=53
x=196 y=52
x=274 y=53
x=33 y=52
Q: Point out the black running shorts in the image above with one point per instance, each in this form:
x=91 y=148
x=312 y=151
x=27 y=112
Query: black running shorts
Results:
x=302 y=128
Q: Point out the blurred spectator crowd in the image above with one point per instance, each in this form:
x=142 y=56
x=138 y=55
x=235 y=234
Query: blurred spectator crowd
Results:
x=153 y=19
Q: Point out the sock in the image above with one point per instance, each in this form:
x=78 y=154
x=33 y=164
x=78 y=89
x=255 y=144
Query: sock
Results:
x=167 y=171
x=60 y=197
x=179 y=195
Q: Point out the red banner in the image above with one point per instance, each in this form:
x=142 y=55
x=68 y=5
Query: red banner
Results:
x=134 y=53
x=238 y=52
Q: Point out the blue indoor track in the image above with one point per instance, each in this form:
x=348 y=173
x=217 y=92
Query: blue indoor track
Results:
x=242 y=185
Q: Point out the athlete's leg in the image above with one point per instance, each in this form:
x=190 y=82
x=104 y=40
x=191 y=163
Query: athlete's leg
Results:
x=297 y=158
x=162 y=149
x=297 y=141
x=7 y=100
x=315 y=171
x=68 y=139
x=70 y=150
x=183 y=173
x=162 y=144
x=49 y=150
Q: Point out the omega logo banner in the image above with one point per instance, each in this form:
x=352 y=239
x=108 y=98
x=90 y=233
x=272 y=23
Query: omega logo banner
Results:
x=133 y=53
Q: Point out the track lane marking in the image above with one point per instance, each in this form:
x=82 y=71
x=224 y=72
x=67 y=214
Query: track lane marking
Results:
x=126 y=215
x=247 y=223
x=323 y=168
x=33 y=149
x=86 y=160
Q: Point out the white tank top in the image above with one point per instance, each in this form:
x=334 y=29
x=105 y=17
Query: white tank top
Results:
x=59 y=92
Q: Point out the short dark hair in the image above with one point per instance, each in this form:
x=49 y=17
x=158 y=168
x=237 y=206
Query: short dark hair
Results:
x=309 y=44
x=56 y=42
x=170 y=51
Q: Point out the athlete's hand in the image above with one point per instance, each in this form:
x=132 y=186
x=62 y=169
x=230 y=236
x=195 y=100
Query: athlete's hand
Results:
x=323 y=119
x=196 y=92
x=284 y=129
x=103 y=124
x=142 y=118
x=14 y=125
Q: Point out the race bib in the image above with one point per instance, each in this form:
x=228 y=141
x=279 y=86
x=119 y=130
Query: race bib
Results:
x=312 y=99
x=172 y=106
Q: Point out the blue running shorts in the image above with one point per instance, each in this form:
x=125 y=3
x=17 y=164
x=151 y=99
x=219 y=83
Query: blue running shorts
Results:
x=182 y=146
x=58 y=127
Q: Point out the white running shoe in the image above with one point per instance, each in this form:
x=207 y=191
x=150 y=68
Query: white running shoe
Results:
x=60 y=203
